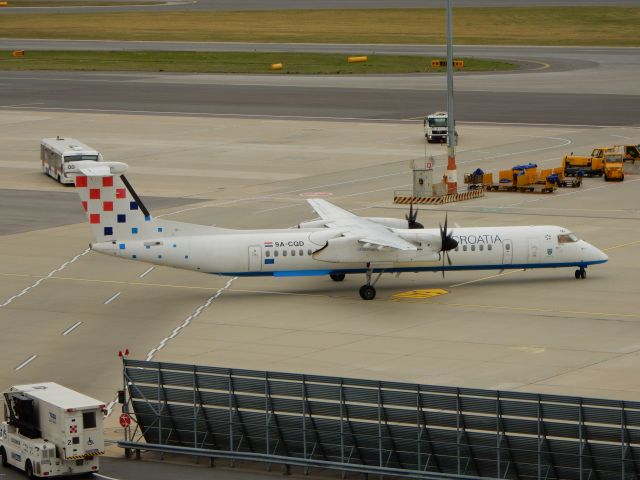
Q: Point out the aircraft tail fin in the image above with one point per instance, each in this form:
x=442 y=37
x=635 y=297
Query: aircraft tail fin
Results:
x=113 y=208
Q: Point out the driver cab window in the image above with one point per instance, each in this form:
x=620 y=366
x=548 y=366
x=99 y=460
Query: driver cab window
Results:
x=567 y=238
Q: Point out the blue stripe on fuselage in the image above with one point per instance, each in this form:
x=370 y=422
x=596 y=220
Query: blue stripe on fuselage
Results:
x=504 y=266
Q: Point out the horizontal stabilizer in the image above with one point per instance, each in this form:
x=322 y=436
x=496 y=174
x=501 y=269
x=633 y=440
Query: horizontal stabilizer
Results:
x=101 y=169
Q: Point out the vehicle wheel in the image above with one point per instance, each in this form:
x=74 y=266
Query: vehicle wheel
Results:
x=367 y=292
x=59 y=180
x=622 y=178
x=606 y=179
x=28 y=468
x=583 y=274
x=578 y=274
x=337 y=277
x=429 y=139
x=3 y=456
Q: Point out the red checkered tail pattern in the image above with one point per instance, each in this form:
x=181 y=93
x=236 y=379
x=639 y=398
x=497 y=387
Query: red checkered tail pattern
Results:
x=113 y=208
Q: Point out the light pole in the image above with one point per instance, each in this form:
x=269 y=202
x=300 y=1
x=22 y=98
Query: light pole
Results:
x=452 y=180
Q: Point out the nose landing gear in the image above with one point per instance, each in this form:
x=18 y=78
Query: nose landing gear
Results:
x=581 y=273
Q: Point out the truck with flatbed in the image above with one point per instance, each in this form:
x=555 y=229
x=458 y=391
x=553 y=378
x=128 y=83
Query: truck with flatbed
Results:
x=50 y=430
x=588 y=166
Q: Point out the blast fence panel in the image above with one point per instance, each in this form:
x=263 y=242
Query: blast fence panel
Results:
x=426 y=428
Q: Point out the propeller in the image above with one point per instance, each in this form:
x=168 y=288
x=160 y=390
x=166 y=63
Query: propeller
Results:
x=411 y=218
x=448 y=243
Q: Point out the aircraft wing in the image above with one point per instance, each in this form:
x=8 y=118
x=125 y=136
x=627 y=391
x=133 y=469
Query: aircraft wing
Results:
x=370 y=234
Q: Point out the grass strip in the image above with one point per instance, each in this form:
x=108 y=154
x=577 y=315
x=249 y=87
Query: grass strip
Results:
x=495 y=26
x=230 y=62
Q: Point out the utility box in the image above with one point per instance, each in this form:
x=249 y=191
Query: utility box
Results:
x=422 y=183
x=440 y=189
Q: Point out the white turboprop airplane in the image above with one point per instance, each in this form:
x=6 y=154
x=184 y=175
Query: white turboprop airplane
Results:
x=339 y=243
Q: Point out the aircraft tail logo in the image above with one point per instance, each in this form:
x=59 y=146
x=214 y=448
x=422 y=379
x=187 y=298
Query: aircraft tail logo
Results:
x=113 y=208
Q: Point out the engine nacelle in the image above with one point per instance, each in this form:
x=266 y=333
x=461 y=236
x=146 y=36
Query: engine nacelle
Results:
x=313 y=224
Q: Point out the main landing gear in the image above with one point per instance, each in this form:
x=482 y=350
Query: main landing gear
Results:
x=367 y=291
x=337 y=277
x=581 y=273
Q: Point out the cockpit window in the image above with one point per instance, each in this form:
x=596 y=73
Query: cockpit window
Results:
x=567 y=238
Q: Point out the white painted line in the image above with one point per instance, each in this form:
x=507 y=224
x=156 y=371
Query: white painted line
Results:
x=148 y=270
x=26 y=362
x=107 y=302
x=71 y=329
x=176 y=331
x=49 y=275
x=99 y=475
x=511 y=272
x=621 y=136
x=204 y=114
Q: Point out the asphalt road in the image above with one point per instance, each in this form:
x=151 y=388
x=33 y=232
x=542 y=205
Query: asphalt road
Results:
x=141 y=94
x=230 y=5
x=21 y=210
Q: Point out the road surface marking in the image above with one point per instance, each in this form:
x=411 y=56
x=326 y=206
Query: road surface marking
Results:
x=148 y=270
x=49 y=275
x=176 y=331
x=620 y=246
x=486 y=278
x=111 y=299
x=26 y=362
x=420 y=294
x=71 y=329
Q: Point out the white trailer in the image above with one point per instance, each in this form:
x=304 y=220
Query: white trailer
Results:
x=50 y=430
x=59 y=154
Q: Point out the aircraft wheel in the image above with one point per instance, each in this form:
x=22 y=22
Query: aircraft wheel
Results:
x=337 y=277
x=367 y=292
x=583 y=273
x=577 y=274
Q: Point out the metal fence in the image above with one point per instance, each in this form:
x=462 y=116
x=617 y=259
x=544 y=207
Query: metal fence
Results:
x=352 y=425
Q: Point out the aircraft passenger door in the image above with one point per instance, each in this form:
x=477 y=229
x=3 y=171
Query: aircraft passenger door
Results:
x=255 y=258
x=534 y=247
x=507 y=252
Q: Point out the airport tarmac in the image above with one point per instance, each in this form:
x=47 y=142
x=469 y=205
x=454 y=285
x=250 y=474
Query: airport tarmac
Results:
x=539 y=331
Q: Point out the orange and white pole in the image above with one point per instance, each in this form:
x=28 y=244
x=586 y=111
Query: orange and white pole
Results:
x=451 y=174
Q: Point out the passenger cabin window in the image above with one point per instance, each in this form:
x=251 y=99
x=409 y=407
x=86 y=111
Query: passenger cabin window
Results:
x=88 y=419
x=293 y=253
x=464 y=248
x=267 y=253
x=275 y=253
x=284 y=253
x=567 y=238
x=473 y=248
x=309 y=252
x=301 y=252
x=75 y=158
x=489 y=247
x=481 y=247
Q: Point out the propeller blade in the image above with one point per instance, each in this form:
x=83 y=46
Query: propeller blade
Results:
x=448 y=258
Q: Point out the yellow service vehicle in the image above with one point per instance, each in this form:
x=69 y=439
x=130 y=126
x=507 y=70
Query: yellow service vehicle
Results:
x=576 y=165
x=613 y=166
x=631 y=154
